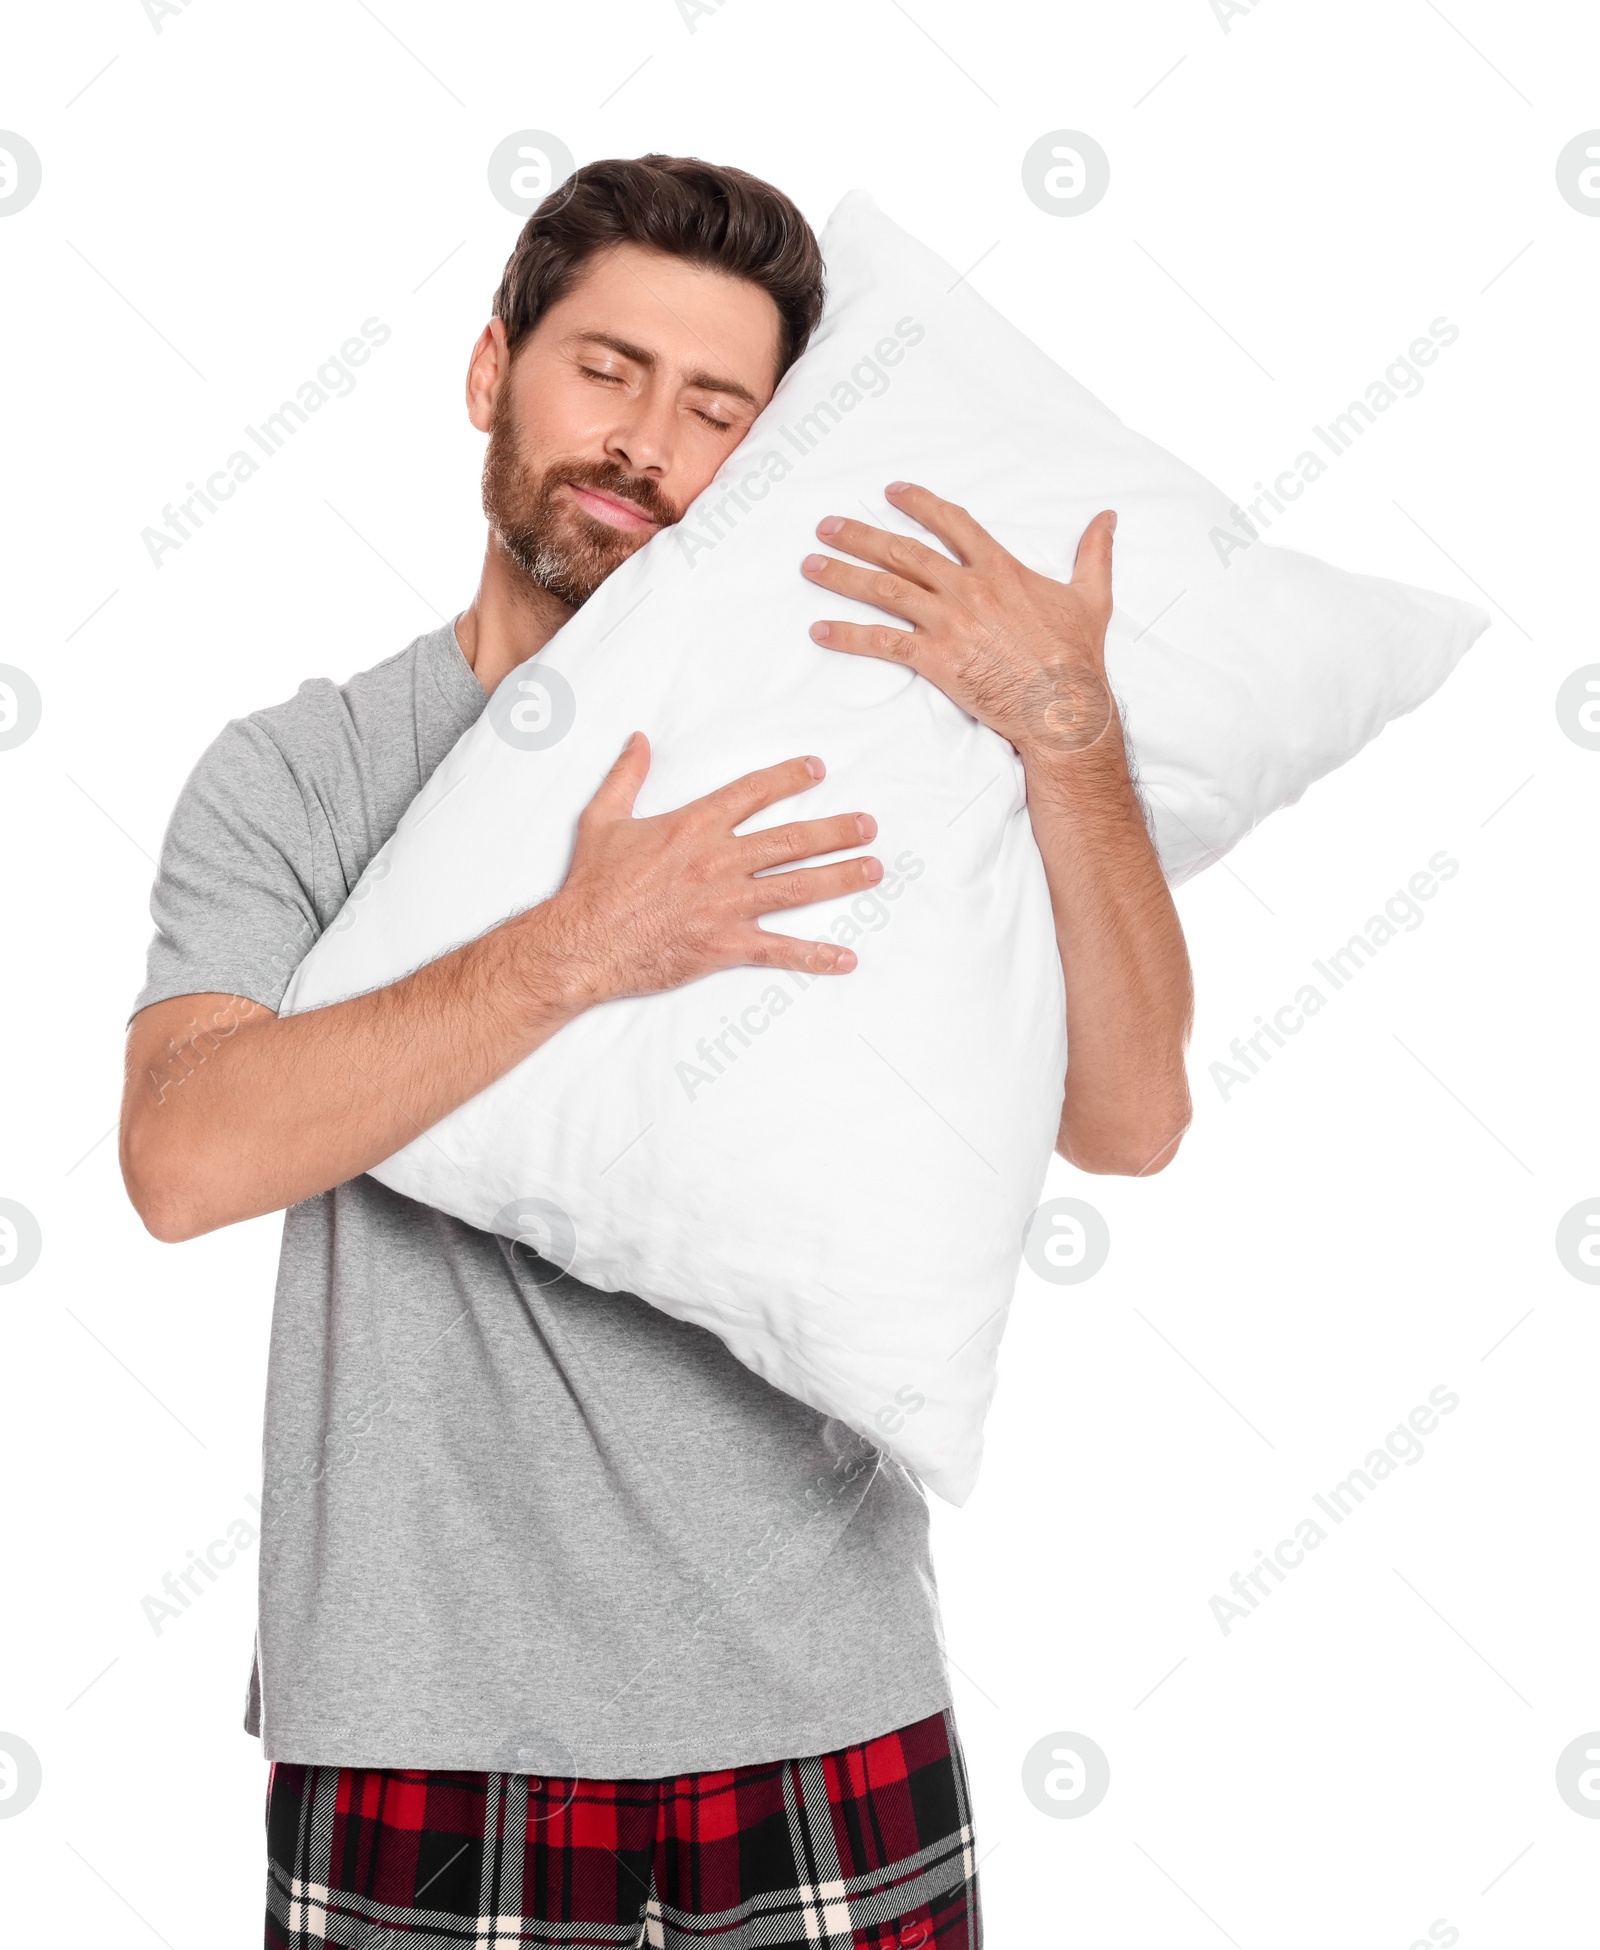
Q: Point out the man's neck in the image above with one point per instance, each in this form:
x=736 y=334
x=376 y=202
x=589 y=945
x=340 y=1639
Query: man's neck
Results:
x=508 y=621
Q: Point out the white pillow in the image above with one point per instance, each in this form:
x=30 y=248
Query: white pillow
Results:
x=835 y=1176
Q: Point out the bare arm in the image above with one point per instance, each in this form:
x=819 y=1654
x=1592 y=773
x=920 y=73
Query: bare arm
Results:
x=1129 y=991
x=1026 y=656
x=230 y=1111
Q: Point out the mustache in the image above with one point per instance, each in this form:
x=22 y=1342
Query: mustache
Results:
x=607 y=477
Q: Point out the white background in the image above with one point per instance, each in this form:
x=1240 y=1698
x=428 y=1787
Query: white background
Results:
x=1372 y=1216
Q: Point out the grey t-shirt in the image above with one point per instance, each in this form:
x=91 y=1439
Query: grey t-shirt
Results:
x=511 y=1523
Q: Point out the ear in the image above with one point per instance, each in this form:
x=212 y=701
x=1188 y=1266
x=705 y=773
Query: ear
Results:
x=488 y=370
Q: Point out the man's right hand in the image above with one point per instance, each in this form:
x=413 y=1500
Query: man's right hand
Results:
x=650 y=904
x=230 y=1111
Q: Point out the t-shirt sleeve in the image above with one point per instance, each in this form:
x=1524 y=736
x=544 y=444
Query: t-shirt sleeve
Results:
x=234 y=897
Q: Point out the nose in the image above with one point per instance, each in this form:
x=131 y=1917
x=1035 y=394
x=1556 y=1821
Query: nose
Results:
x=641 y=438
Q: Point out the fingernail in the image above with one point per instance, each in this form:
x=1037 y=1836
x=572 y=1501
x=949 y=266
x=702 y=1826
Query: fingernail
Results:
x=867 y=826
x=844 y=962
x=1113 y=521
x=830 y=524
x=816 y=768
x=821 y=631
x=897 y=487
x=874 y=871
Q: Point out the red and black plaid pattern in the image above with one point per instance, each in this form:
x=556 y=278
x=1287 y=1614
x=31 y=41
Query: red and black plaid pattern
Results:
x=869 y=1848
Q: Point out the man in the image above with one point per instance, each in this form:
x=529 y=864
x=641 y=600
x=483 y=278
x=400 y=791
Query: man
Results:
x=556 y=1625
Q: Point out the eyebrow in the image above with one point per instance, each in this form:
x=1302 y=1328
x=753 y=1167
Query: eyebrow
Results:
x=709 y=382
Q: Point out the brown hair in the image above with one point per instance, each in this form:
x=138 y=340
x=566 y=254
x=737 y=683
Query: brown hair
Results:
x=712 y=215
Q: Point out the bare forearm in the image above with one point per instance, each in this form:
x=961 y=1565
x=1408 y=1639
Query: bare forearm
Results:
x=1129 y=990
x=227 y=1123
x=1025 y=655
x=252 y=1112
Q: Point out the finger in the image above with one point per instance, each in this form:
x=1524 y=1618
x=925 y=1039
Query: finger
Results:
x=903 y=554
x=765 y=950
x=805 y=839
x=1091 y=568
x=870 y=640
x=769 y=893
x=965 y=538
x=620 y=787
x=730 y=805
x=897 y=594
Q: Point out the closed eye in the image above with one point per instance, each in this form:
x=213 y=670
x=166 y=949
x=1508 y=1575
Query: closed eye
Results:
x=616 y=379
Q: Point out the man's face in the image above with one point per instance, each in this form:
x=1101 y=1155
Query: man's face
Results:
x=619 y=407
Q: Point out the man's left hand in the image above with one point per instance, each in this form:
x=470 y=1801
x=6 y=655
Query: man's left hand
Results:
x=1024 y=654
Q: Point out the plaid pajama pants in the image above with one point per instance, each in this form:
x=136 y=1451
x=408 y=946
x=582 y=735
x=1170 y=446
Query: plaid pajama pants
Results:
x=869 y=1848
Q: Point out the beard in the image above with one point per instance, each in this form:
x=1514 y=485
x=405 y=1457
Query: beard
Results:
x=546 y=534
